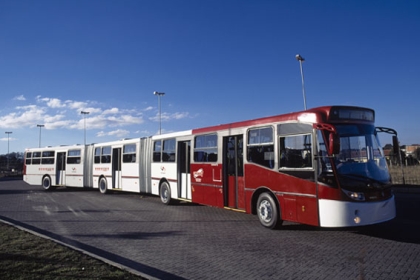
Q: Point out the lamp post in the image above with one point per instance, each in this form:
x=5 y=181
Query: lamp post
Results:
x=84 y=113
x=159 y=94
x=40 y=126
x=301 y=60
x=8 y=133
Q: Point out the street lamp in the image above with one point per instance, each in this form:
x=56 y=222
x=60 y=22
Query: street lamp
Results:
x=159 y=94
x=84 y=113
x=40 y=126
x=8 y=133
x=301 y=60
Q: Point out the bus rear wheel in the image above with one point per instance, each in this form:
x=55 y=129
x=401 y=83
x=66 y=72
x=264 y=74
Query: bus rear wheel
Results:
x=103 y=185
x=268 y=212
x=46 y=183
x=165 y=193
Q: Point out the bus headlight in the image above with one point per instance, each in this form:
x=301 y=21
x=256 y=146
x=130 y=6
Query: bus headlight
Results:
x=355 y=195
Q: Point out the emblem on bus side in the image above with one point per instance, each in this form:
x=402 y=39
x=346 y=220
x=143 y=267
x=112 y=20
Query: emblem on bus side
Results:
x=198 y=173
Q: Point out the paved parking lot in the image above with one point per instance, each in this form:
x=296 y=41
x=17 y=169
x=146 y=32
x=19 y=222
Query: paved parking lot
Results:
x=188 y=241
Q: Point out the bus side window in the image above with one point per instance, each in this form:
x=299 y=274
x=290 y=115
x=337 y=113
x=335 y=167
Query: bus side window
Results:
x=129 y=153
x=168 y=154
x=36 y=158
x=106 y=154
x=74 y=157
x=296 y=151
x=28 y=158
x=157 y=147
x=98 y=155
x=47 y=157
x=205 y=148
x=261 y=146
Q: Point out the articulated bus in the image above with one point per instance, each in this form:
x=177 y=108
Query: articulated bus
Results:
x=322 y=167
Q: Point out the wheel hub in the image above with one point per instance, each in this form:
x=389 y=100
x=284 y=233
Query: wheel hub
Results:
x=265 y=210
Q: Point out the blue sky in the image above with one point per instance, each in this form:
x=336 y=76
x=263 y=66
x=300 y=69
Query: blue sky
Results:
x=217 y=61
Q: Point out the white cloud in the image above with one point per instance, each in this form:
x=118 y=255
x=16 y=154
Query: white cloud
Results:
x=52 y=119
x=26 y=116
x=110 y=111
x=7 y=139
x=51 y=113
x=20 y=98
x=59 y=124
x=178 y=116
x=167 y=116
x=51 y=102
x=78 y=105
x=119 y=133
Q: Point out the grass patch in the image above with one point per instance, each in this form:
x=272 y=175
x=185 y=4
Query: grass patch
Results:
x=27 y=256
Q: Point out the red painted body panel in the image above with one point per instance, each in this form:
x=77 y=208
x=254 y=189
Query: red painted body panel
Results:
x=206 y=184
x=327 y=192
x=297 y=197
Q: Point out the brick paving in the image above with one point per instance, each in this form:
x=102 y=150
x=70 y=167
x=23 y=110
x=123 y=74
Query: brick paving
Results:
x=188 y=241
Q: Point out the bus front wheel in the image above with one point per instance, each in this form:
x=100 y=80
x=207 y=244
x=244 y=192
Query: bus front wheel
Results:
x=268 y=212
x=165 y=193
x=46 y=183
x=103 y=185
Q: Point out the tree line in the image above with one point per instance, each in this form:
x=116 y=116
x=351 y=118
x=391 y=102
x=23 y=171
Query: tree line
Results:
x=12 y=162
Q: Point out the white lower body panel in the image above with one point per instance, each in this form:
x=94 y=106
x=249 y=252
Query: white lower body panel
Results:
x=333 y=213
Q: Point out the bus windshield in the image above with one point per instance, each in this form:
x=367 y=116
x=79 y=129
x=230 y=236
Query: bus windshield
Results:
x=361 y=156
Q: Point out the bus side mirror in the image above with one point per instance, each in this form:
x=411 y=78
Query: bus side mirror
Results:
x=395 y=145
x=334 y=144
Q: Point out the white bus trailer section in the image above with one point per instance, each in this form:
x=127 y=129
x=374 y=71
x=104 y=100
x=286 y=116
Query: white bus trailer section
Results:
x=117 y=165
x=158 y=165
x=170 y=167
x=59 y=166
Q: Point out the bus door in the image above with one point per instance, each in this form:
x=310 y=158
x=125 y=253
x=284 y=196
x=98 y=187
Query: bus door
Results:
x=60 y=176
x=233 y=172
x=116 y=168
x=183 y=163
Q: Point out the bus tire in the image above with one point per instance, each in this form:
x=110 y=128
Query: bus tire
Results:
x=268 y=212
x=46 y=183
x=103 y=185
x=165 y=193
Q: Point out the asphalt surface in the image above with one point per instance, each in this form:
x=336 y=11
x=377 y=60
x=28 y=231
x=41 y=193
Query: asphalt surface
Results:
x=189 y=241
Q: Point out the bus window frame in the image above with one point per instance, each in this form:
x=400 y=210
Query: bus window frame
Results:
x=261 y=151
x=207 y=145
x=74 y=158
x=129 y=154
x=301 y=163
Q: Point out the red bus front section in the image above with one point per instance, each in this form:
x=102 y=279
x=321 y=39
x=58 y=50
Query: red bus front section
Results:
x=321 y=167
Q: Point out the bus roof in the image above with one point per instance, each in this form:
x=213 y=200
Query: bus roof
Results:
x=314 y=115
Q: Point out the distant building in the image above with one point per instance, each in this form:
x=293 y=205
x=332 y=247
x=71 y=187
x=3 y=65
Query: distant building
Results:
x=410 y=149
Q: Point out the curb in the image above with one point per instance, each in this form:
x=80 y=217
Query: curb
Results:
x=117 y=265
